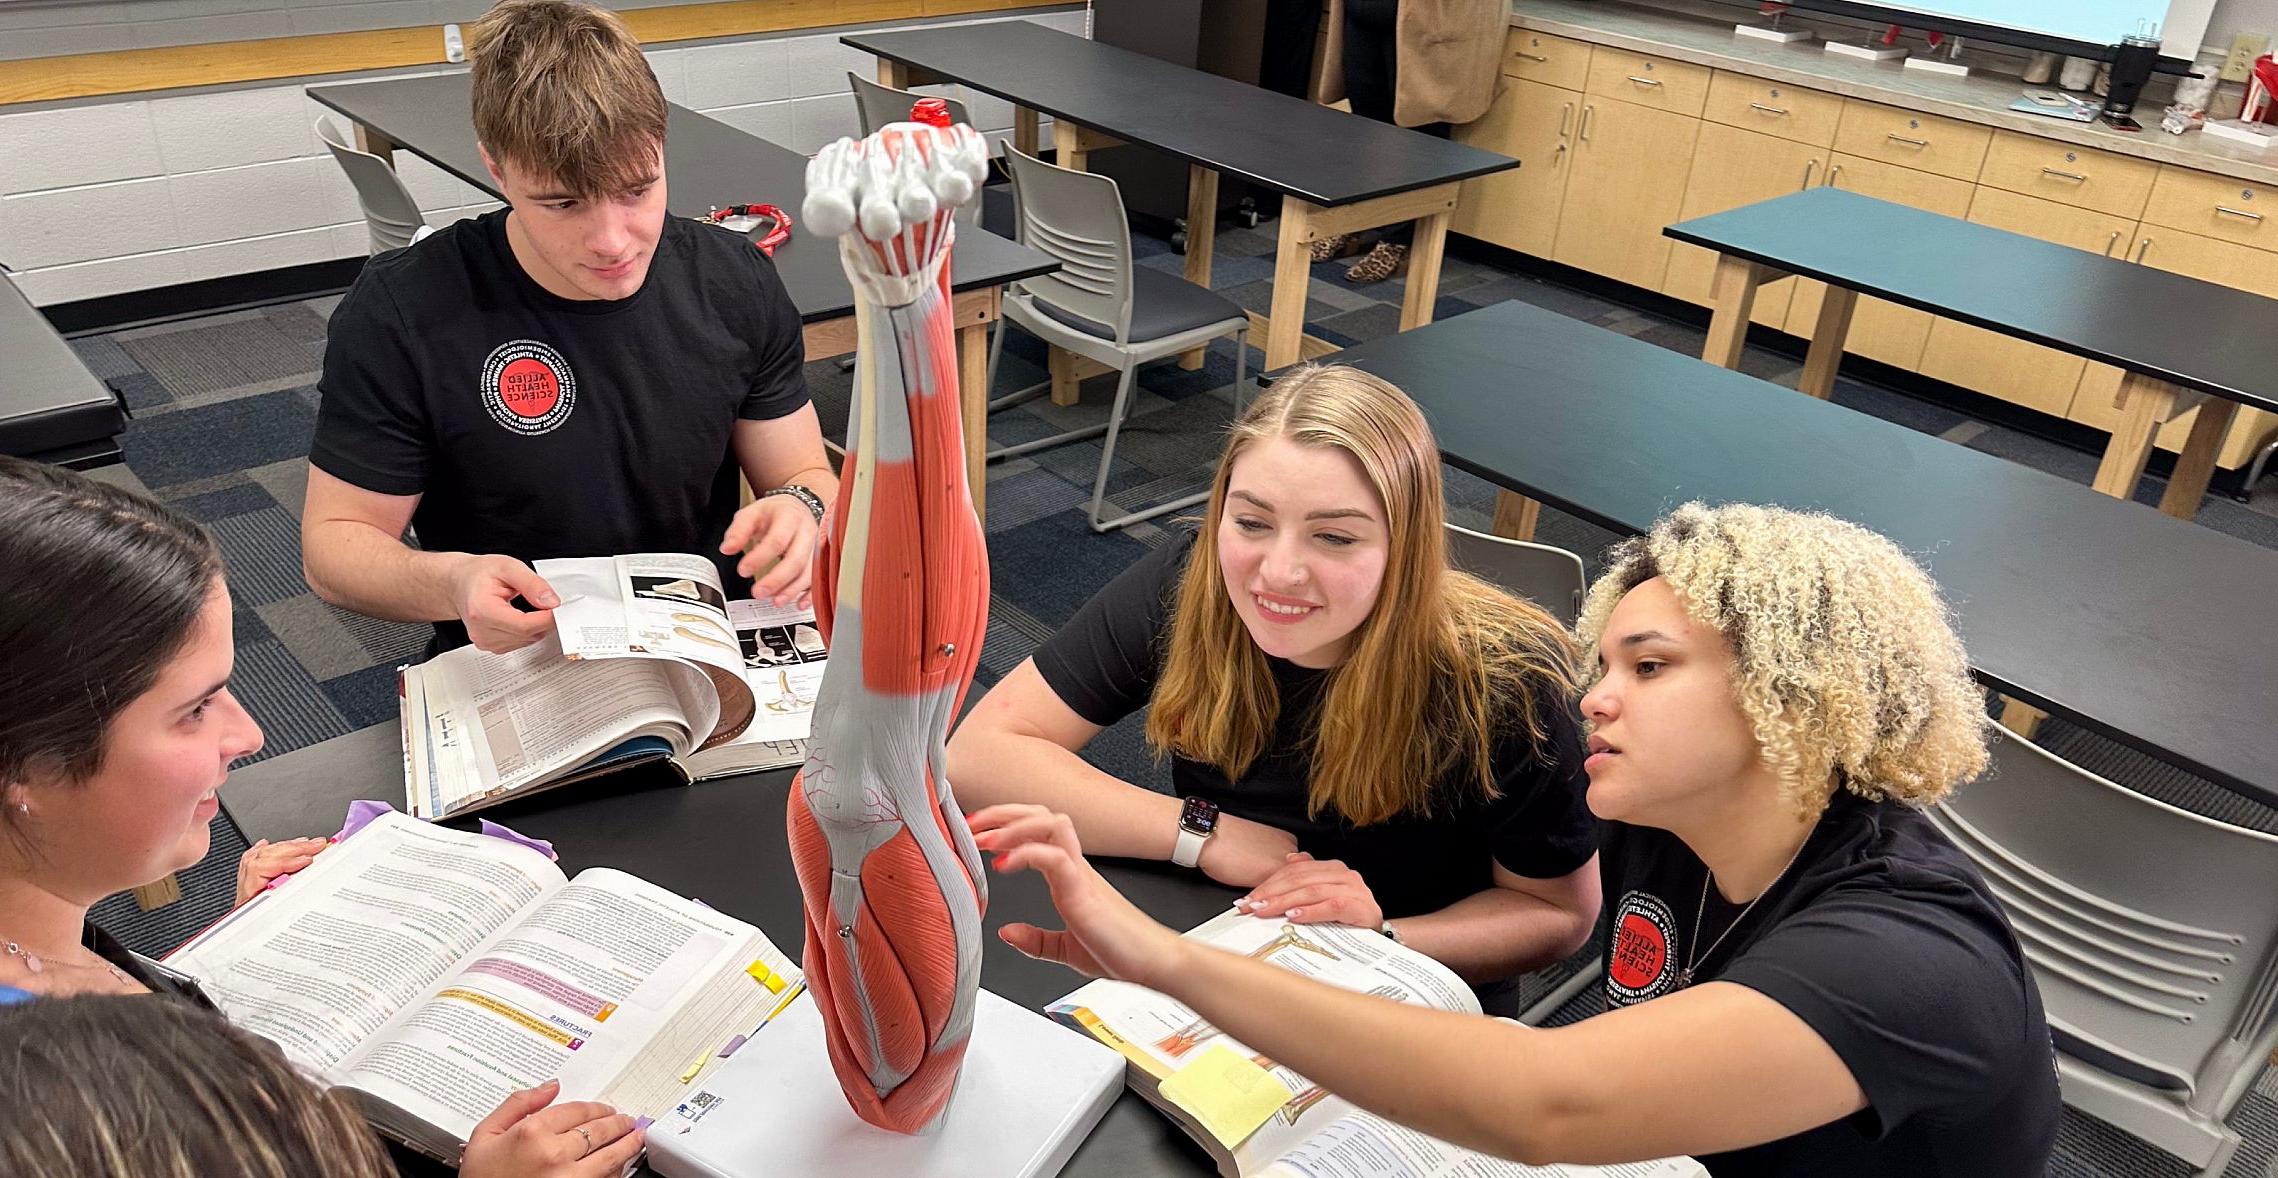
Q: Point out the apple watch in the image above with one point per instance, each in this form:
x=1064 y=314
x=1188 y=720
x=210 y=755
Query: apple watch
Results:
x=1197 y=822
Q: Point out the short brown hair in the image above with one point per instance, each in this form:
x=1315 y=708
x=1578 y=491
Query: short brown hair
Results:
x=562 y=89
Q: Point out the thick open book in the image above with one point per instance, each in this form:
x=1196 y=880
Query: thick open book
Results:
x=648 y=662
x=429 y=972
x=1259 y=1119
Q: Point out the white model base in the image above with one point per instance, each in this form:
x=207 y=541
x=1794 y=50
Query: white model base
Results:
x=1783 y=36
x=1029 y=1093
x=1869 y=52
x=1938 y=65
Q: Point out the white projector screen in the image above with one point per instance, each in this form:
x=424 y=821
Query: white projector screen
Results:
x=2182 y=23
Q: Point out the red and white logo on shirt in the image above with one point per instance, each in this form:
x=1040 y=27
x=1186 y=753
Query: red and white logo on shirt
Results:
x=1639 y=965
x=528 y=387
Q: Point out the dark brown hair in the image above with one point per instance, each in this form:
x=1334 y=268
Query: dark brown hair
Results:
x=99 y=589
x=128 y=1086
x=562 y=90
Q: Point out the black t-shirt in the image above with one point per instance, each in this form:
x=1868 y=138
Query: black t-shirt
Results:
x=536 y=426
x=1882 y=938
x=1103 y=665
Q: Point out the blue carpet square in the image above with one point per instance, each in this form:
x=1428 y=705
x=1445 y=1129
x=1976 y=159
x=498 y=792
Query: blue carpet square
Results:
x=1054 y=565
x=365 y=697
x=218 y=505
x=139 y=390
x=262 y=550
x=220 y=438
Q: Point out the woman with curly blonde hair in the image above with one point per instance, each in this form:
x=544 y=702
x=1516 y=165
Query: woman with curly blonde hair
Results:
x=1803 y=976
x=1357 y=732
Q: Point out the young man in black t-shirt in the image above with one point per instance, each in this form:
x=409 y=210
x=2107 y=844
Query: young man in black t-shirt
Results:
x=577 y=375
x=1805 y=977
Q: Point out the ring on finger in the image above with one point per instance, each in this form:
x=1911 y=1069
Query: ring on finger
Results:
x=588 y=1140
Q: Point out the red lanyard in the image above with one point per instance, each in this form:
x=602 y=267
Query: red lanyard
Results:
x=777 y=234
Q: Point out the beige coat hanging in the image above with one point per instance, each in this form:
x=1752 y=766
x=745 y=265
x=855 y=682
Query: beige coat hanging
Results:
x=1449 y=55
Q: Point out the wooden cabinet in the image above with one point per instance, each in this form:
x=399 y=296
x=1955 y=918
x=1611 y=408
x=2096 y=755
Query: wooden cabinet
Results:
x=1659 y=82
x=1519 y=209
x=1879 y=330
x=1910 y=139
x=1553 y=61
x=1731 y=168
x=1774 y=108
x=1630 y=164
x=2069 y=175
x=2214 y=206
x=2005 y=366
x=2214 y=261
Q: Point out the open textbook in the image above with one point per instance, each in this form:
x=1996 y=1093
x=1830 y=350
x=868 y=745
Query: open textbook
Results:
x=428 y=972
x=1259 y=1119
x=648 y=662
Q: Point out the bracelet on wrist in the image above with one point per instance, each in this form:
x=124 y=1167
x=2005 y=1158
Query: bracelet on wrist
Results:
x=813 y=502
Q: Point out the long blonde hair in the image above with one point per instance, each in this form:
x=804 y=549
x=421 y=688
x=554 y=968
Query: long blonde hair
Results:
x=1842 y=656
x=1439 y=667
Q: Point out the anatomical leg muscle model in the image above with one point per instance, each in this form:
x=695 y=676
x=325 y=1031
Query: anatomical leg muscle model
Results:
x=893 y=886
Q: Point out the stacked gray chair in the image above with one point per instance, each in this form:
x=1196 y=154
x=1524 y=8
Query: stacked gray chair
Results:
x=1101 y=307
x=389 y=212
x=1547 y=576
x=876 y=105
x=2153 y=933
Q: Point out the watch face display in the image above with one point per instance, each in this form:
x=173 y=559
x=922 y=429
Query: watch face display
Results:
x=1201 y=816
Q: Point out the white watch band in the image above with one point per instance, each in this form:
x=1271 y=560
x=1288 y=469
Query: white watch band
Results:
x=1188 y=850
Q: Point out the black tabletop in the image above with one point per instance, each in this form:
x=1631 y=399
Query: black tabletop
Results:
x=1286 y=144
x=51 y=407
x=2155 y=632
x=706 y=163
x=2140 y=318
x=723 y=842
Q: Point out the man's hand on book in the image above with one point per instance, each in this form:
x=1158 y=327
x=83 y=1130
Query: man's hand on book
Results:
x=483 y=591
x=265 y=861
x=528 y=1137
x=1107 y=935
x=1310 y=891
x=777 y=536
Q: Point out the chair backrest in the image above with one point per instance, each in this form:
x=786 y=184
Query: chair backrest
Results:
x=1550 y=577
x=2152 y=931
x=1077 y=218
x=876 y=105
x=389 y=212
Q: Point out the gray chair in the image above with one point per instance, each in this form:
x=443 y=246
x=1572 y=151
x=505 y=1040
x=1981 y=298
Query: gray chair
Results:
x=1550 y=577
x=389 y=212
x=2152 y=931
x=876 y=105
x=1101 y=307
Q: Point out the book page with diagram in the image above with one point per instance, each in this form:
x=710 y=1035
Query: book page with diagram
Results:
x=654 y=603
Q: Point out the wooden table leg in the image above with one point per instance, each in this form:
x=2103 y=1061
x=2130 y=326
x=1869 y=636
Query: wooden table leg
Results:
x=894 y=74
x=2195 y=467
x=973 y=405
x=1024 y=129
x=1732 y=295
x=1424 y=257
x=1515 y=516
x=2021 y=718
x=369 y=140
x=1292 y=281
x=1067 y=383
x=1827 y=337
x=1201 y=239
x=2144 y=402
x=1068 y=145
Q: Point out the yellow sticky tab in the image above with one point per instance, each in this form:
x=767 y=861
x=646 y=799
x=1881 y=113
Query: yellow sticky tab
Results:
x=1230 y=1094
x=767 y=977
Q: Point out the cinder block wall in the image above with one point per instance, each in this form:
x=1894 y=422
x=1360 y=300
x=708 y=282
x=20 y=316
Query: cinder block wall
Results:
x=104 y=197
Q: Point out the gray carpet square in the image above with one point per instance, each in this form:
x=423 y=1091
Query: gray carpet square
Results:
x=104 y=357
x=286 y=482
x=141 y=391
x=263 y=552
x=222 y=357
x=292 y=710
x=313 y=631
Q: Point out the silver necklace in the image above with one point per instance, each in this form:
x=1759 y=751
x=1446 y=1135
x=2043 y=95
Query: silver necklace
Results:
x=33 y=963
x=1685 y=975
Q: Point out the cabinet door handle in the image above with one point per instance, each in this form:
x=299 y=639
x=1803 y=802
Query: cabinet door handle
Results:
x=2062 y=175
x=1644 y=81
x=2238 y=212
x=1809 y=166
x=1565 y=116
x=1770 y=110
x=1588 y=109
x=1532 y=56
x=2142 y=248
x=1832 y=174
x=1895 y=137
x=2109 y=245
